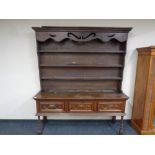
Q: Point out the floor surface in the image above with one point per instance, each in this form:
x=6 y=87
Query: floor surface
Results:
x=65 y=127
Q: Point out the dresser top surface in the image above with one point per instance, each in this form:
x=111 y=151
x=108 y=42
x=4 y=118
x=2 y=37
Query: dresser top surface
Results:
x=80 y=96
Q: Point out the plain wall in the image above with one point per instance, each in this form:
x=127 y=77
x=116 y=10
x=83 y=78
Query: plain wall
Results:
x=19 y=77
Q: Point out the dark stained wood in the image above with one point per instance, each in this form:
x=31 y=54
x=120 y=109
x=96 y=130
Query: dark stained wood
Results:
x=80 y=59
x=113 y=119
x=109 y=106
x=93 y=46
x=80 y=85
x=52 y=106
x=144 y=98
x=81 y=106
x=83 y=66
x=81 y=70
x=83 y=96
x=84 y=114
x=80 y=36
x=90 y=52
x=83 y=29
x=121 y=131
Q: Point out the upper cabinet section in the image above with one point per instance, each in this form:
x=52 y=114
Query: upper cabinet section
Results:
x=81 y=34
x=81 y=59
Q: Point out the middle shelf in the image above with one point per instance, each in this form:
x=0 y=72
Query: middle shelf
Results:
x=81 y=78
x=84 y=66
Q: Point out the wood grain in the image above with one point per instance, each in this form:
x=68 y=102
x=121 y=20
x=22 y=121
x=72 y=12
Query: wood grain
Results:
x=143 y=107
x=81 y=71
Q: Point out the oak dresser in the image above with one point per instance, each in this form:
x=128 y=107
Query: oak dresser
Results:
x=81 y=71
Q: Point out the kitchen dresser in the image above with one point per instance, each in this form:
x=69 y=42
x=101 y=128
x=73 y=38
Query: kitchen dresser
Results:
x=81 y=71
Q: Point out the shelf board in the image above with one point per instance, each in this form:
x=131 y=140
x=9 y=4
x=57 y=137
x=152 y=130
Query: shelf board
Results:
x=76 y=52
x=97 y=91
x=93 y=66
x=81 y=78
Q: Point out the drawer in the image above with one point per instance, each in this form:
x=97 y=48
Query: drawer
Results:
x=81 y=106
x=116 y=106
x=47 y=107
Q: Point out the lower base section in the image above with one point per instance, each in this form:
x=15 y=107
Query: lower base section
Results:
x=141 y=131
x=41 y=124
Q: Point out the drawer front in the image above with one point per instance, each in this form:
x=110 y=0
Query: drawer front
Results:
x=47 y=107
x=111 y=106
x=81 y=106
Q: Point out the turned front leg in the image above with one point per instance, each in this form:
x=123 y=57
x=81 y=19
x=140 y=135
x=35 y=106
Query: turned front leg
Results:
x=121 y=131
x=45 y=118
x=113 y=119
x=40 y=126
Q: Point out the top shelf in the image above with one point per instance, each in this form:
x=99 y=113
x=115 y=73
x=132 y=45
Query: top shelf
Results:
x=76 y=52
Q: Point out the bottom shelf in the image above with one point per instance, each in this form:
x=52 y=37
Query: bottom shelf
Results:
x=55 y=91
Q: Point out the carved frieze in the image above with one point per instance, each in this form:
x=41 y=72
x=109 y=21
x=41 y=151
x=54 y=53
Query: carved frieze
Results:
x=80 y=36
